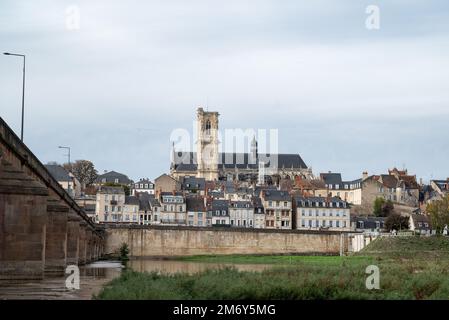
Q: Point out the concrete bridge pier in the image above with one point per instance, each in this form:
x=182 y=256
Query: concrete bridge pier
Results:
x=73 y=235
x=89 y=245
x=56 y=238
x=23 y=219
x=82 y=243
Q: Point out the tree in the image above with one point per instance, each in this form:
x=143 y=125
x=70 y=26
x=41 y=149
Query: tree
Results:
x=377 y=206
x=396 y=222
x=439 y=213
x=382 y=208
x=84 y=171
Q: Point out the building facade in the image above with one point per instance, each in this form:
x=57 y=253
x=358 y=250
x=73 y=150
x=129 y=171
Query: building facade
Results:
x=320 y=213
x=278 y=209
x=241 y=214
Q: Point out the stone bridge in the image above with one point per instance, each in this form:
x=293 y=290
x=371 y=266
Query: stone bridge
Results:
x=42 y=229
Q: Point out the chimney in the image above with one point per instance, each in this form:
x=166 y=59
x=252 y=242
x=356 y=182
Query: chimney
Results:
x=364 y=175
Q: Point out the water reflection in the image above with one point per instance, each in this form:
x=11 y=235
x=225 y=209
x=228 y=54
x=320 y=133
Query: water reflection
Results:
x=172 y=266
x=95 y=275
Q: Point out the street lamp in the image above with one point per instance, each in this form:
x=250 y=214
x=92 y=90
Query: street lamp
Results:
x=23 y=88
x=68 y=154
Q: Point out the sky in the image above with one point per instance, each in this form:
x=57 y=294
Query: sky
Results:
x=113 y=79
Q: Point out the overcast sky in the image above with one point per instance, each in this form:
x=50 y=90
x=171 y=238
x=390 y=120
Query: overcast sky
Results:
x=344 y=97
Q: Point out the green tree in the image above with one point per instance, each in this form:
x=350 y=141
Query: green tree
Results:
x=124 y=252
x=382 y=208
x=439 y=213
x=377 y=206
x=396 y=222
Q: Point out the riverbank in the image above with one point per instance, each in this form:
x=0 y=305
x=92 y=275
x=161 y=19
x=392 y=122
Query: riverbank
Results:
x=406 y=272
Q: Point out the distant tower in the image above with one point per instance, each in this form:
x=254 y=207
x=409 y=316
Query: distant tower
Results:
x=207 y=144
x=253 y=151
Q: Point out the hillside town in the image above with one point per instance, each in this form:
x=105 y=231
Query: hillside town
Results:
x=228 y=191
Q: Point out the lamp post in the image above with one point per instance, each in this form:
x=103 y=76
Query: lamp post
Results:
x=68 y=155
x=23 y=88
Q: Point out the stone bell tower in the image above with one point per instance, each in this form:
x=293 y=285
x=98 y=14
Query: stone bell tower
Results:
x=207 y=144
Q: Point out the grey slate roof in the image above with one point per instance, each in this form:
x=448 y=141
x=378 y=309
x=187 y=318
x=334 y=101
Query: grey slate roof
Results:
x=58 y=172
x=144 y=200
x=186 y=161
x=220 y=205
x=369 y=223
x=111 y=176
x=242 y=204
x=193 y=183
x=133 y=200
x=322 y=202
x=277 y=195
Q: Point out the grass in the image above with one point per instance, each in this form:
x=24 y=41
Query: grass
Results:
x=406 y=272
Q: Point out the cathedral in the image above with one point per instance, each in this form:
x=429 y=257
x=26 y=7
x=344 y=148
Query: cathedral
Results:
x=207 y=162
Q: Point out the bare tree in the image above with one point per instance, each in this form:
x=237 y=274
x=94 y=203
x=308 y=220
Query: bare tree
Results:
x=84 y=171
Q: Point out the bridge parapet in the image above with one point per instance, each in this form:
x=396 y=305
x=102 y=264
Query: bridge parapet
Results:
x=42 y=228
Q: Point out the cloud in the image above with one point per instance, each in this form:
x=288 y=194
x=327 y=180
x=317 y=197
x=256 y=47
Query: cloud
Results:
x=116 y=88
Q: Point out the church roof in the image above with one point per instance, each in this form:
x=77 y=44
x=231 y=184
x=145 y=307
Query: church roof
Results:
x=186 y=161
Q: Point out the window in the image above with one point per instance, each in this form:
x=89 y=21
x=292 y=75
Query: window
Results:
x=146 y=185
x=106 y=208
x=285 y=204
x=223 y=212
x=330 y=223
x=113 y=208
x=116 y=180
x=310 y=212
x=303 y=212
x=337 y=224
x=303 y=223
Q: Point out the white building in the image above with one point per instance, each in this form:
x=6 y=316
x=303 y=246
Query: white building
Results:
x=320 y=213
x=143 y=185
x=241 y=214
x=173 y=208
x=109 y=204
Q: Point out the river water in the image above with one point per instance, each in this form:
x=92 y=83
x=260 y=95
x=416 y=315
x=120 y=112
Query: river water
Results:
x=95 y=275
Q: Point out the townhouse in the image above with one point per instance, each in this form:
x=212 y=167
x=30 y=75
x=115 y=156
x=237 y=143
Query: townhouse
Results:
x=278 y=209
x=322 y=213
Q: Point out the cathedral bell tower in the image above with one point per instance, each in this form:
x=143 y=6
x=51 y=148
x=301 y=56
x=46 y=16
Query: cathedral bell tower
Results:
x=207 y=144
